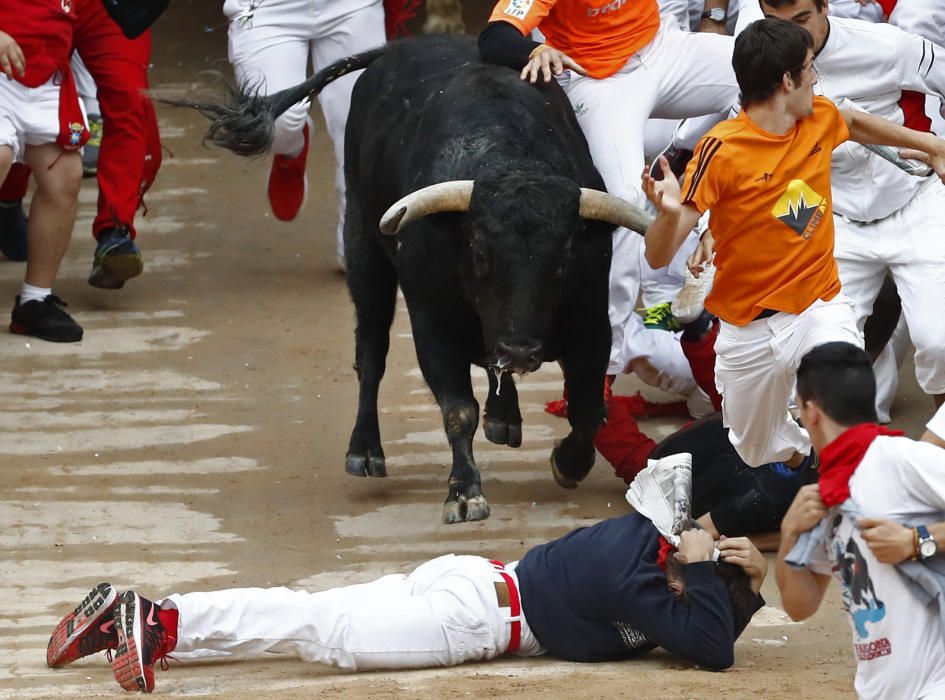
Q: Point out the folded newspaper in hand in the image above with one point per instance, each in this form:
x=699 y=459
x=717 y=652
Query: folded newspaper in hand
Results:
x=914 y=167
x=663 y=493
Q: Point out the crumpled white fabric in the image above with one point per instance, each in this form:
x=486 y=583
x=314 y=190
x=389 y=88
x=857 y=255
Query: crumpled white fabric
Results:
x=662 y=492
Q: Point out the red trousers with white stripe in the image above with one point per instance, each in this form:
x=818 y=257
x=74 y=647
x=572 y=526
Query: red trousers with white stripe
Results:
x=130 y=153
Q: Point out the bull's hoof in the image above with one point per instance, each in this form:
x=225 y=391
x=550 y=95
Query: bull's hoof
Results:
x=560 y=479
x=571 y=461
x=361 y=465
x=502 y=433
x=465 y=510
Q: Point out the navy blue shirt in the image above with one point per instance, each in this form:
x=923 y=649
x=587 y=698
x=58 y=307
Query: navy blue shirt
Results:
x=597 y=594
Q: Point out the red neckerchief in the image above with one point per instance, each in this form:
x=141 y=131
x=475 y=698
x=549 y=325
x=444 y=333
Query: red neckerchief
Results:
x=888 y=6
x=841 y=457
x=665 y=550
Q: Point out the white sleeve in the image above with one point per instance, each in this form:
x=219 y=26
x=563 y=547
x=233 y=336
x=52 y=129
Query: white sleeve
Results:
x=921 y=64
x=937 y=422
x=923 y=473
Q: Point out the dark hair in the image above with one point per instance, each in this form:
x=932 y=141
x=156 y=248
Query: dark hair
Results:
x=778 y=4
x=839 y=378
x=743 y=599
x=764 y=52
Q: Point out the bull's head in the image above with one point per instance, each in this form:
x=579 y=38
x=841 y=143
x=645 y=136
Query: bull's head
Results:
x=519 y=235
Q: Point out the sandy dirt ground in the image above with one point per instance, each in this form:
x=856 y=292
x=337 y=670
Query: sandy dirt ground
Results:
x=195 y=440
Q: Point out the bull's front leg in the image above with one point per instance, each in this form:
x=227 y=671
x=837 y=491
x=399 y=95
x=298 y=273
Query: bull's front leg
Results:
x=584 y=361
x=502 y=423
x=445 y=367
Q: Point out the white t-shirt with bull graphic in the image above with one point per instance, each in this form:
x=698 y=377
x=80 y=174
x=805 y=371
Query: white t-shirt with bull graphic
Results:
x=897 y=641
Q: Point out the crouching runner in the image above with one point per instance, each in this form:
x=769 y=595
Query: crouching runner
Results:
x=607 y=592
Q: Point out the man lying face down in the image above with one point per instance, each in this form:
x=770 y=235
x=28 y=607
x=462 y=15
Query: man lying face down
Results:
x=611 y=591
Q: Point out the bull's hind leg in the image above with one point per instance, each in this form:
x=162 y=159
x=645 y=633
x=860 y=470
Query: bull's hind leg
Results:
x=502 y=423
x=372 y=281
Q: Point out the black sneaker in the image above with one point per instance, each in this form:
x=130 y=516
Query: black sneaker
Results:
x=46 y=320
x=142 y=640
x=13 y=230
x=117 y=259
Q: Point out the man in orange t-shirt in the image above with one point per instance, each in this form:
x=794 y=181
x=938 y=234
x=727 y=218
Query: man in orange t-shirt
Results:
x=765 y=179
x=619 y=65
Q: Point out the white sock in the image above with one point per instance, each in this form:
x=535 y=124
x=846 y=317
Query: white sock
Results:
x=31 y=293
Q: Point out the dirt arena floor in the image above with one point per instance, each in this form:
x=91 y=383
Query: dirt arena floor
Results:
x=195 y=440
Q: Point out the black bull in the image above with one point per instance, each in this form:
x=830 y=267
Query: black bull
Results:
x=502 y=249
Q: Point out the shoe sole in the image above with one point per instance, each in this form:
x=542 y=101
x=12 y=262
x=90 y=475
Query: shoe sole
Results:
x=21 y=329
x=114 y=270
x=98 y=603
x=126 y=664
x=690 y=301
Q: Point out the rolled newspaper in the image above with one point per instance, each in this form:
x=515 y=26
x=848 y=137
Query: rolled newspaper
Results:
x=908 y=165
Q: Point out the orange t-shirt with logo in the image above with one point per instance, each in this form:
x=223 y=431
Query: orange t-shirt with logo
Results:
x=599 y=34
x=770 y=212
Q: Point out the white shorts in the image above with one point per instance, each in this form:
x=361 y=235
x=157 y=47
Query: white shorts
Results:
x=28 y=116
x=755 y=370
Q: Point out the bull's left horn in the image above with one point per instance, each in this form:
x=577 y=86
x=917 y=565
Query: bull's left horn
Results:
x=606 y=207
x=443 y=196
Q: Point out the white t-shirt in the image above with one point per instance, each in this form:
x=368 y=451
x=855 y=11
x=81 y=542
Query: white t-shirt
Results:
x=937 y=423
x=897 y=641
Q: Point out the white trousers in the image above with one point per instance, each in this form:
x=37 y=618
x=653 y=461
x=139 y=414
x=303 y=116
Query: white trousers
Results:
x=910 y=244
x=679 y=74
x=886 y=369
x=755 y=370
x=271 y=43
x=444 y=613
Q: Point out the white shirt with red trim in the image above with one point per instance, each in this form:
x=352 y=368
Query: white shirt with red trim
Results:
x=872 y=65
x=897 y=640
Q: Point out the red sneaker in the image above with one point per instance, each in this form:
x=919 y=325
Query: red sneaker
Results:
x=142 y=640
x=87 y=630
x=288 y=183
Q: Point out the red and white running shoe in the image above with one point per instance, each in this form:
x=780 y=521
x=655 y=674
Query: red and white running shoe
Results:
x=87 y=630
x=142 y=640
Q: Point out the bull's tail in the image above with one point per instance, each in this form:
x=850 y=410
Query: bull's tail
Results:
x=243 y=123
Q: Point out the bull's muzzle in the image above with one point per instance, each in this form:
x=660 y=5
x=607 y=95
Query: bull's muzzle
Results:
x=521 y=358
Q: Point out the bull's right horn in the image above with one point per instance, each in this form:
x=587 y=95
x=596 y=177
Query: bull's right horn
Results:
x=619 y=212
x=443 y=196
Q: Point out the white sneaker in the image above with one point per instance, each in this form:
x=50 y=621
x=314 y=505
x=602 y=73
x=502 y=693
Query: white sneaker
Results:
x=690 y=301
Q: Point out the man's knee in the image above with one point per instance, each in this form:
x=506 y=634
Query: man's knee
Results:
x=58 y=178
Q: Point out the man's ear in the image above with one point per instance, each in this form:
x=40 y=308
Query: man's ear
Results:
x=787 y=82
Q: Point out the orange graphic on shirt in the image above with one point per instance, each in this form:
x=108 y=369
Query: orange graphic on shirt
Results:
x=800 y=208
x=599 y=34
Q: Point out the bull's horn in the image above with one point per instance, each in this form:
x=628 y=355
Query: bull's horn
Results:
x=606 y=207
x=443 y=196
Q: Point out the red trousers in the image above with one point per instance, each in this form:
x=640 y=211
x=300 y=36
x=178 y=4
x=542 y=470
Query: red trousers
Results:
x=130 y=153
x=701 y=356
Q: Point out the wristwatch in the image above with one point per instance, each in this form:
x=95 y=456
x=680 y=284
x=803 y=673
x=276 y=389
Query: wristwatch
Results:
x=716 y=14
x=925 y=543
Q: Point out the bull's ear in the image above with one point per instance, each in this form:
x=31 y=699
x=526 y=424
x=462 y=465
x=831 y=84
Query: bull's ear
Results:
x=619 y=212
x=453 y=195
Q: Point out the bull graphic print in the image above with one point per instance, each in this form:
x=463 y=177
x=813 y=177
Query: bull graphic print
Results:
x=859 y=596
x=800 y=208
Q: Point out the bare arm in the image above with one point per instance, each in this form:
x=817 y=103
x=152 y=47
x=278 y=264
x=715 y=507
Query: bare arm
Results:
x=802 y=590
x=674 y=220
x=867 y=128
x=892 y=542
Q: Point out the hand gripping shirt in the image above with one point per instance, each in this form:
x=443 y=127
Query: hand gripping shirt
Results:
x=599 y=34
x=43 y=29
x=770 y=212
x=897 y=638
